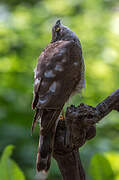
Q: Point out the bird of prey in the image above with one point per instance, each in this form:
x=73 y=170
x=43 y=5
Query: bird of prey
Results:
x=59 y=74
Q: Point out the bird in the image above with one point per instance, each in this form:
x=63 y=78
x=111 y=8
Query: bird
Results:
x=59 y=74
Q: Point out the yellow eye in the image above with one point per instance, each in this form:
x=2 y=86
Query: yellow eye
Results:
x=57 y=29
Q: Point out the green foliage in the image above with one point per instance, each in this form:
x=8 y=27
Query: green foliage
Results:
x=100 y=168
x=113 y=158
x=54 y=171
x=9 y=170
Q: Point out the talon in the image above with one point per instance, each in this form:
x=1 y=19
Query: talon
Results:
x=61 y=117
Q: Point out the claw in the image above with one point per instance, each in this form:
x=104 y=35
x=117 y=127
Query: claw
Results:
x=61 y=117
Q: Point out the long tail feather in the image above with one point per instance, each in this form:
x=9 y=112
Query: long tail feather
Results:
x=46 y=142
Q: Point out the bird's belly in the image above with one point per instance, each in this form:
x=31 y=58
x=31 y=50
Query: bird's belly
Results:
x=78 y=89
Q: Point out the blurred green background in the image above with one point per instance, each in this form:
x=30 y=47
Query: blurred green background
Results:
x=25 y=29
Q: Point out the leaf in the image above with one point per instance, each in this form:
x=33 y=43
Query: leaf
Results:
x=100 y=168
x=9 y=170
x=7 y=152
x=113 y=158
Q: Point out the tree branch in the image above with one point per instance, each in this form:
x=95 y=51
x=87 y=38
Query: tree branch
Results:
x=71 y=134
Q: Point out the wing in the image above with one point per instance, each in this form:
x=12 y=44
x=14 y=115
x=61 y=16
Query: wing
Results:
x=56 y=75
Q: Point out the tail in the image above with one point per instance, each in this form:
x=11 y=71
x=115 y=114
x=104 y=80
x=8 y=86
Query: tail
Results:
x=47 y=134
x=45 y=149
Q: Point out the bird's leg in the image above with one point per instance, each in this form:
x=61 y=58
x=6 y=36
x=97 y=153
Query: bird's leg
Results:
x=68 y=136
x=62 y=116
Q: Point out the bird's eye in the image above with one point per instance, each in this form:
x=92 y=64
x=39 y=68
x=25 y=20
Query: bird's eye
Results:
x=57 y=29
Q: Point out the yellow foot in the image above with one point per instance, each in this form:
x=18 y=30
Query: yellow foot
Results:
x=61 y=117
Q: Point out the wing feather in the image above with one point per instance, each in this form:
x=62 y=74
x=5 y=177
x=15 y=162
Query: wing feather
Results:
x=54 y=74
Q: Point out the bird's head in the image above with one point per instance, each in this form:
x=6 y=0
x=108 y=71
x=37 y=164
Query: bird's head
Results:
x=61 y=32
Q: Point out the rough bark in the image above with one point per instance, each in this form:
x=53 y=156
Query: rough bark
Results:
x=71 y=134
